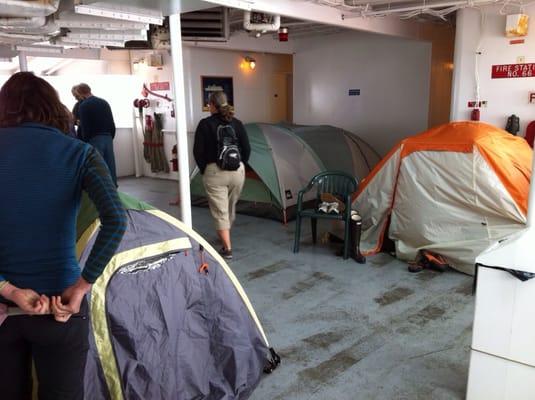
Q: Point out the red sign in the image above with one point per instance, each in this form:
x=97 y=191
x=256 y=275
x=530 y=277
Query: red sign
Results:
x=516 y=41
x=513 y=71
x=155 y=86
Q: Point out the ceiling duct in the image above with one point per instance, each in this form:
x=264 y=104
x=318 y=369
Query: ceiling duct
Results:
x=210 y=25
x=260 y=22
x=28 y=8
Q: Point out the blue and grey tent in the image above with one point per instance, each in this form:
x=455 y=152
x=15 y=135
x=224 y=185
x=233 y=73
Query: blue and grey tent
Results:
x=169 y=319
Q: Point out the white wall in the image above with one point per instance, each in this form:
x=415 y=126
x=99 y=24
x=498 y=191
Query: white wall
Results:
x=111 y=62
x=392 y=74
x=252 y=89
x=504 y=96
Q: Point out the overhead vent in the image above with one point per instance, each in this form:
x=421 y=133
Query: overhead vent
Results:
x=210 y=25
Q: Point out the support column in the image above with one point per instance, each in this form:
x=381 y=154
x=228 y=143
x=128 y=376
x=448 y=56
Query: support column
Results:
x=180 y=119
x=23 y=61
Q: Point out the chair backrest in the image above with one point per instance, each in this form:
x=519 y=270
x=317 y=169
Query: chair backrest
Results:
x=335 y=182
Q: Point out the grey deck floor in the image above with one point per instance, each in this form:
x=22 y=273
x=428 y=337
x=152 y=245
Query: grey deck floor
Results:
x=344 y=331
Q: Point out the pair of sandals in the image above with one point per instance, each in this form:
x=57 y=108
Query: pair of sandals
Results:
x=329 y=208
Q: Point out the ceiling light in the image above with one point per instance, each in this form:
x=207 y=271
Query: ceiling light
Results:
x=72 y=20
x=92 y=42
x=128 y=13
x=122 y=35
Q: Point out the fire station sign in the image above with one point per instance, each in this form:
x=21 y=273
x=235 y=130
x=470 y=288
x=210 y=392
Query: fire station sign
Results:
x=513 y=71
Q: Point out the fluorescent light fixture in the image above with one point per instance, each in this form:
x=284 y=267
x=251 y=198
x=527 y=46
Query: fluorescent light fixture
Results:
x=119 y=35
x=115 y=11
x=241 y=4
x=41 y=49
x=92 y=42
x=71 y=20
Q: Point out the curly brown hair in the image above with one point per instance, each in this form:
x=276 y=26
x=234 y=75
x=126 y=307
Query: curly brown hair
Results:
x=28 y=98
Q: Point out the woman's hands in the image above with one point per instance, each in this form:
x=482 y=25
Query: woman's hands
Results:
x=63 y=307
x=69 y=302
x=26 y=299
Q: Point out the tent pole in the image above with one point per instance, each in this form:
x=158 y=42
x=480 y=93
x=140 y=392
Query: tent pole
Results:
x=180 y=118
x=23 y=62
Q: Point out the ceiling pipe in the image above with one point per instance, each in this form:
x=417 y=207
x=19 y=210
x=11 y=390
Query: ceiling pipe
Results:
x=250 y=26
x=427 y=6
x=28 y=8
x=17 y=22
x=50 y=27
x=18 y=37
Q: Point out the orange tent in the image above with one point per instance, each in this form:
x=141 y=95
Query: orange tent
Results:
x=453 y=189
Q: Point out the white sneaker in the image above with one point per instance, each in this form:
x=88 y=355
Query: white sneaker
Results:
x=333 y=208
x=324 y=207
x=355 y=216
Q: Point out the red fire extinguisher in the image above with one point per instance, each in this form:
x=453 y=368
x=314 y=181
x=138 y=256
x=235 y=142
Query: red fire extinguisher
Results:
x=174 y=159
x=475 y=115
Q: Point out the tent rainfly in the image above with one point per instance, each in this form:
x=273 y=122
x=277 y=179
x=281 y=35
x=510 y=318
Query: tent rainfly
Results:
x=168 y=316
x=454 y=189
x=285 y=157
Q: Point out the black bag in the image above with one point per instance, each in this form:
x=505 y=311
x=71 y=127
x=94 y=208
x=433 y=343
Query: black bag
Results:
x=228 y=152
x=513 y=124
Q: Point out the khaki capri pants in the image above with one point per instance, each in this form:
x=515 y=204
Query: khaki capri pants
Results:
x=223 y=189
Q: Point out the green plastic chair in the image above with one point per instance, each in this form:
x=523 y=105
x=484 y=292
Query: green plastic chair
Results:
x=337 y=183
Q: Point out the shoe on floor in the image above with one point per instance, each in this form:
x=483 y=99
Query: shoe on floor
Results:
x=227 y=254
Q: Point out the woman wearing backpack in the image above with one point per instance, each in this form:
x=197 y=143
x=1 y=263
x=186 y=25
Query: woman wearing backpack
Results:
x=221 y=148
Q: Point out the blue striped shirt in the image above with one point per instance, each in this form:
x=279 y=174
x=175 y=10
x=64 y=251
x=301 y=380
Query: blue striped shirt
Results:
x=42 y=175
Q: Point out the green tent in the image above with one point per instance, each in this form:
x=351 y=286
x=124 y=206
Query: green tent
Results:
x=285 y=157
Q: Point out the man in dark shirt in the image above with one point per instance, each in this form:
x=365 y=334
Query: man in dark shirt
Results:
x=97 y=125
x=76 y=113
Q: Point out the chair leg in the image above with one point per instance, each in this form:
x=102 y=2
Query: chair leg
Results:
x=346 y=240
x=314 y=223
x=297 y=236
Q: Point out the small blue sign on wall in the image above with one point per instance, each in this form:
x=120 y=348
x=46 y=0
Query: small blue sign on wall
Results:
x=354 y=92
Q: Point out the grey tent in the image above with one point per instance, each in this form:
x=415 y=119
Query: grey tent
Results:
x=283 y=160
x=169 y=320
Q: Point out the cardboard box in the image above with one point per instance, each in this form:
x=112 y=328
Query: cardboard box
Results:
x=493 y=378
